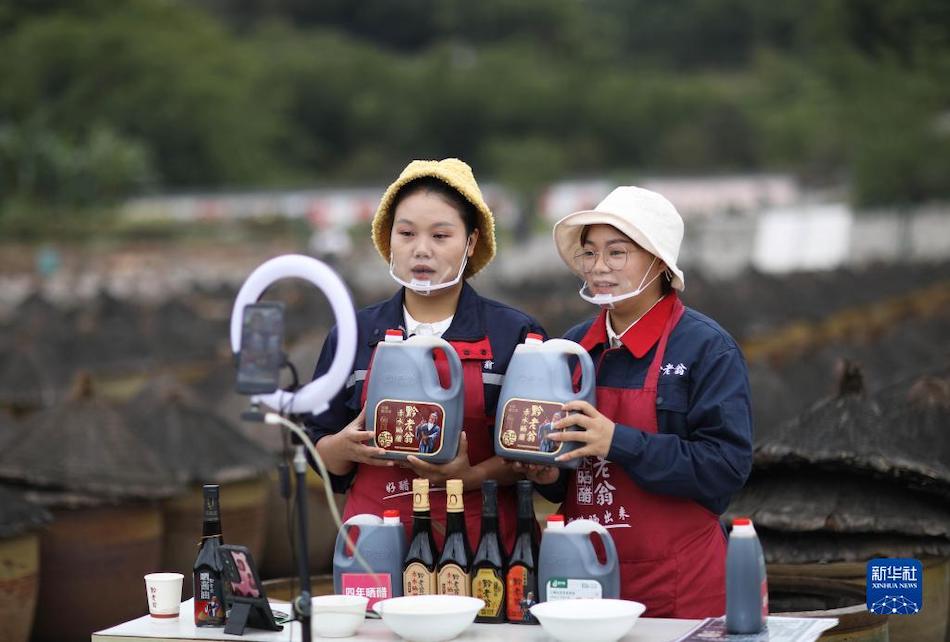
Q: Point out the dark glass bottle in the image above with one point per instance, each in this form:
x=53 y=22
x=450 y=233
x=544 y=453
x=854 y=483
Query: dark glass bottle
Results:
x=419 y=567
x=521 y=578
x=208 y=585
x=456 y=561
x=488 y=565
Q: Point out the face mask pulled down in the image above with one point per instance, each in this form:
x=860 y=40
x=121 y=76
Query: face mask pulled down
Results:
x=616 y=281
x=424 y=280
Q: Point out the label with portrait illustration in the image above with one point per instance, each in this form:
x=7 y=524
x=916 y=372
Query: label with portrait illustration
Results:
x=526 y=423
x=410 y=427
x=488 y=586
x=209 y=602
x=418 y=580
x=521 y=596
x=453 y=581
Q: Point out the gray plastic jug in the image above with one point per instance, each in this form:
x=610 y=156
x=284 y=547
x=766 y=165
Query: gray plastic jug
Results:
x=407 y=409
x=747 y=592
x=382 y=543
x=568 y=567
x=537 y=383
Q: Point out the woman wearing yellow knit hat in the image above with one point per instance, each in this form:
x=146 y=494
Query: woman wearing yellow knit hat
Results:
x=434 y=230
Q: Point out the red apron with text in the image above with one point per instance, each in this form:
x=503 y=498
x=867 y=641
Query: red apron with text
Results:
x=672 y=550
x=378 y=488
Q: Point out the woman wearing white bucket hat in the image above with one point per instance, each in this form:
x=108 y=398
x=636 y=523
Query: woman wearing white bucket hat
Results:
x=670 y=440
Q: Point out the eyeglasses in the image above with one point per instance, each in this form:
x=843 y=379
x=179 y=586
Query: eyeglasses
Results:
x=615 y=258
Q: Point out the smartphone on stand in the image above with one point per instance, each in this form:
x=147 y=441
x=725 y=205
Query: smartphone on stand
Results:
x=261 y=356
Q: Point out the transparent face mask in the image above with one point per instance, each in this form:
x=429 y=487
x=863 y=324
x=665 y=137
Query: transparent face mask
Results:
x=605 y=282
x=425 y=272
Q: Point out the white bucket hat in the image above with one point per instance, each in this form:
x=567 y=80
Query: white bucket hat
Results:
x=646 y=217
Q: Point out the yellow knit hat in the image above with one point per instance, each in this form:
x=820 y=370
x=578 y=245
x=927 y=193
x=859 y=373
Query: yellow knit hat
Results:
x=458 y=175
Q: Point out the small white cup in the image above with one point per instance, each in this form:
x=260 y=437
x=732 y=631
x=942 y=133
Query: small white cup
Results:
x=163 y=591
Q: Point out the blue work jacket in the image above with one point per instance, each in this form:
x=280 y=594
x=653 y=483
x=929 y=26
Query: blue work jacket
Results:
x=476 y=320
x=703 y=447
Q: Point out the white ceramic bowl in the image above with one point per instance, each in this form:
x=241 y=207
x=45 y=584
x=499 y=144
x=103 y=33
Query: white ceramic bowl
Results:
x=587 y=620
x=428 y=618
x=337 y=616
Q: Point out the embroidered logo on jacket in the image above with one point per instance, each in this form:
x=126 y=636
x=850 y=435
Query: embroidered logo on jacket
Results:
x=669 y=369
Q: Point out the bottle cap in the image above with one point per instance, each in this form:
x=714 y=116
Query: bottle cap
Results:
x=420 y=494
x=393 y=336
x=391 y=516
x=533 y=338
x=555 y=521
x=453 y=500
x=742 y=526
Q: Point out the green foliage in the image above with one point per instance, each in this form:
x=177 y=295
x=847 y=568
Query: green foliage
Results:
x=101 y=99
x=154 y=71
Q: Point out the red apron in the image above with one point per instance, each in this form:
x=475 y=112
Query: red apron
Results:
x=672 y=550
x=378 y=488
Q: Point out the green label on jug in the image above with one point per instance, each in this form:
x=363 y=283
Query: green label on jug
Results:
x=409 y=426
x=560 y=588
x=526 y=423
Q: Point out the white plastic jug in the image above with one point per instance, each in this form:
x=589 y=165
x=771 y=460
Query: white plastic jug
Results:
x=382 y=544
x=538 y=382
x=407 y=409
x=568 y=567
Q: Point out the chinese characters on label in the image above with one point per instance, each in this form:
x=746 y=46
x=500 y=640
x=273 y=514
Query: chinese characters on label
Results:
x=409 y=426
x=526 y=423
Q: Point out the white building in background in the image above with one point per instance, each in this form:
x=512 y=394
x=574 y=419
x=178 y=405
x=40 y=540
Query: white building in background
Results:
x=694 y=197
x=802 y=238
x=733 y=223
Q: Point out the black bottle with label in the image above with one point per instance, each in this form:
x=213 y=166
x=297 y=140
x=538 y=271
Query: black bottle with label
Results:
x=488 y=566
x=419 y=567
x=208 y=585
x=521 y=577
x=455 y=564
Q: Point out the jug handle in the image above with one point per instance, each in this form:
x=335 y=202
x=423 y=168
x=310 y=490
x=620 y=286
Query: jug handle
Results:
x=609 y=546
x=455 y=364
x=588 y=376
x=340 y=548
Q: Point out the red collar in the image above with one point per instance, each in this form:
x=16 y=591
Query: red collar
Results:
x=641 y=337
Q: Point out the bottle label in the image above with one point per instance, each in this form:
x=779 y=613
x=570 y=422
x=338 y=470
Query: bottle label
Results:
x=376 y=586
x=526 y=423
x=521 y=594
x=562 y=588
x=412 y=427
x=765 y=597
x=418 y=580
x=209 y=605
x=487 y=586
x=453 y=581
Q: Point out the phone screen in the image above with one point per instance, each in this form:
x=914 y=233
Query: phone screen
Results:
x=262 y=333
x=241 y=577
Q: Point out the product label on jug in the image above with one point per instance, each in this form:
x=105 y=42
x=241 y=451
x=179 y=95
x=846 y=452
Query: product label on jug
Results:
x=521 y=595
x=487 y=586
x=526 y=423
x=418 y=580
x=374 y=586
x=453 y=581
x=562 y=588
x=412 y=427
